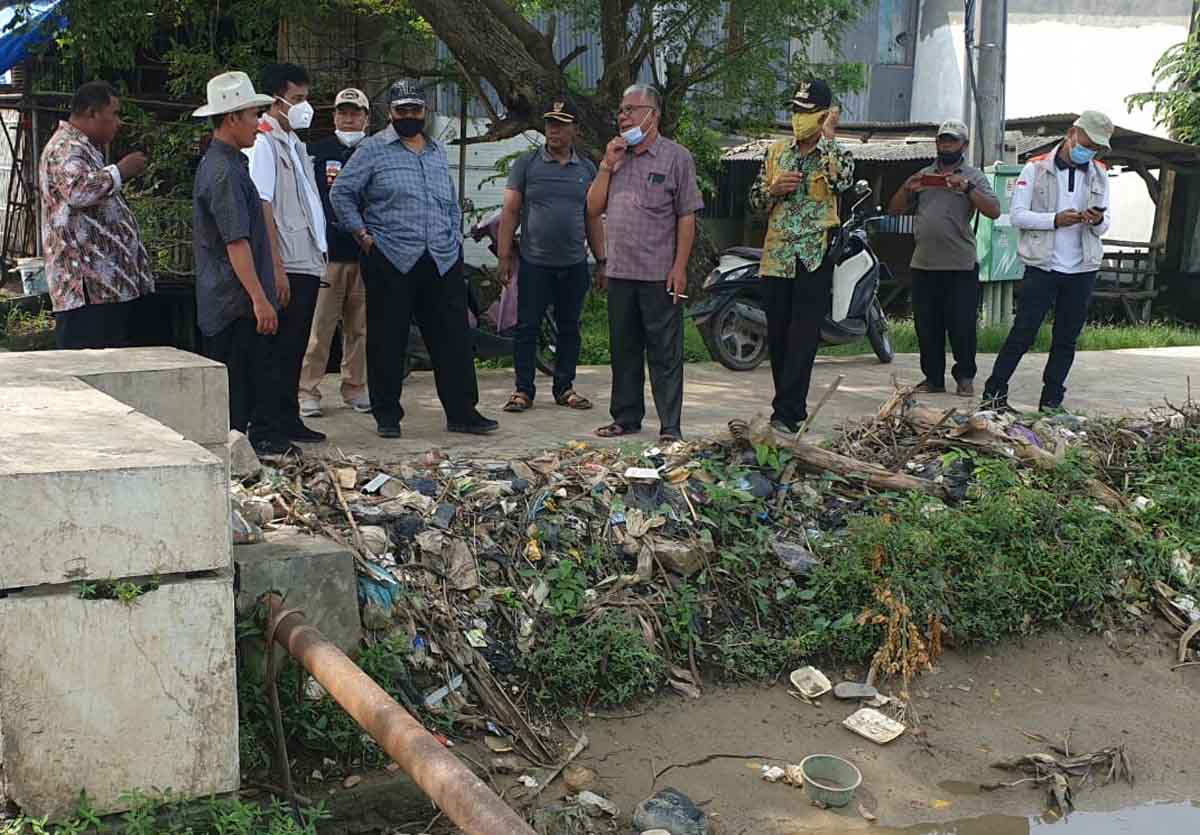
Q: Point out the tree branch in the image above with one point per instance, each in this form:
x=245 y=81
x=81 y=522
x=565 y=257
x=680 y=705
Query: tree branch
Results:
x=524 y=31
x=566 y=60
x=1152 y=182
x=497 y=131
x=477 y=88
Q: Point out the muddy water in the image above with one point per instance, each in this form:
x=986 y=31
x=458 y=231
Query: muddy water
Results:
x=1157 y=819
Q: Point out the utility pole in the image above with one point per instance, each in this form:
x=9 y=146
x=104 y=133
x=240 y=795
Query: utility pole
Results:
x=984 y=78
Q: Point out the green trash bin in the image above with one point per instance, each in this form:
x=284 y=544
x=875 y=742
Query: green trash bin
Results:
x=996 y=246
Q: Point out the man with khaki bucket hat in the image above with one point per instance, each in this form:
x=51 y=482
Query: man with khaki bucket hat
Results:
x=1060 y=204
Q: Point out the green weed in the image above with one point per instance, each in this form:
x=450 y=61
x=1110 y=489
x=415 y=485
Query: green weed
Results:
x=605 y=662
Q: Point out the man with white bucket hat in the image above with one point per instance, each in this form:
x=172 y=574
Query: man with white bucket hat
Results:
x=236 y=303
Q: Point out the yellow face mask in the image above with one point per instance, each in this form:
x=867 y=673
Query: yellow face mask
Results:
x=806 y=125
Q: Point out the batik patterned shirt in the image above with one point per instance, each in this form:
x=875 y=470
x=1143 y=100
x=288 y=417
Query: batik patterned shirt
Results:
x=91 y=241
x=798 y=224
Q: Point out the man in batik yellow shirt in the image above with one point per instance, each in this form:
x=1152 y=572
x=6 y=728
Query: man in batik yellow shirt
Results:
x=798 y=186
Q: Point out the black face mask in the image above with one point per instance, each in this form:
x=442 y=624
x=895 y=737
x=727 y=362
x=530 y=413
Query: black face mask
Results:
x=950 y=157
x=408 y=127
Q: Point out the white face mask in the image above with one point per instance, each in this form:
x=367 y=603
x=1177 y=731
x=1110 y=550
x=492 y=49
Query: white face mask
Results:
x=635 y=134
x=300 y=115
x=350 y=138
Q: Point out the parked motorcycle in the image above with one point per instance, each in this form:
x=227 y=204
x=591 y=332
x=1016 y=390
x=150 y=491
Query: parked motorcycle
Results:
x=493 y=329
x=732 y=316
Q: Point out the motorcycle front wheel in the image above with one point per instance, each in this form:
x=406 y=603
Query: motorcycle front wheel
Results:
x=879 y=334
x=731 y=341
x=547 y=348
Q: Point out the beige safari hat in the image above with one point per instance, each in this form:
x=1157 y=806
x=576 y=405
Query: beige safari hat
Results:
x=231 y=91
x=1097 y=126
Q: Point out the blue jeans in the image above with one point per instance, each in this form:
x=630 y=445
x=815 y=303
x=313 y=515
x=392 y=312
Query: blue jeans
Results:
x=538 y=288
x=1069 y=296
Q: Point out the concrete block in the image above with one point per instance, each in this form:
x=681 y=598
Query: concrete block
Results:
x=91 y=490
x=184 y=391
x=107 y=697
x=221 y=452
x=313 y=573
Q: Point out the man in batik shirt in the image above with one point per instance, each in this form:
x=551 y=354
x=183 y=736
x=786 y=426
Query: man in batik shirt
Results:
x=799 y=185
x=96 y=265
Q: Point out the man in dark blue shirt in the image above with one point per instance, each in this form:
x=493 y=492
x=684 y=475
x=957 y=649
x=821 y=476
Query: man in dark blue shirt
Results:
x=235 y=280
x=547 y=194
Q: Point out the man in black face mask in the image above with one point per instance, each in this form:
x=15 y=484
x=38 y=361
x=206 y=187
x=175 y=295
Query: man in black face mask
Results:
x=945 y=284
x=396 y=198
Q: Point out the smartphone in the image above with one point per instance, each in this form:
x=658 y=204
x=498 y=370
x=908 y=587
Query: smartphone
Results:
x=933 y=180
x=1101 y=209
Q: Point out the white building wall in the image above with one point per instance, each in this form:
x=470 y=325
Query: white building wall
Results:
x=1063 y=56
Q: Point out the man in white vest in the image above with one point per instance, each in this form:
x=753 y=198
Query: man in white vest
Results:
x=1060 y=205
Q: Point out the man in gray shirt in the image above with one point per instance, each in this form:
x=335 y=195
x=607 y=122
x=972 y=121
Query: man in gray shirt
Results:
x=945 y=283
x=547 y=195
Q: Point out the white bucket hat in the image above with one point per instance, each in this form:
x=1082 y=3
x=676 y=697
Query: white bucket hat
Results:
x=231 y=91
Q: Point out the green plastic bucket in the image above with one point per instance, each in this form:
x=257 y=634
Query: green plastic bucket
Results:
x=829 y=779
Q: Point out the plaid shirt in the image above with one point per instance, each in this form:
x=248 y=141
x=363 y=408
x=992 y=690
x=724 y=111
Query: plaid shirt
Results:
x=93 y=249
x=646 y=197
x=405 y=200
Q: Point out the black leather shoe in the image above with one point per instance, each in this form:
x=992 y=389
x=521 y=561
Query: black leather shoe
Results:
x=389 y=431
x=926 y=387
x=481 y=426
x=274 y=446
x=304 y=435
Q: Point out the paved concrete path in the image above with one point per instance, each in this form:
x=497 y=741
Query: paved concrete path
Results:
x=1102 y=382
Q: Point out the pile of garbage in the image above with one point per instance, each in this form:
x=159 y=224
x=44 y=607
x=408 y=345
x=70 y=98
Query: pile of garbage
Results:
x=472 y=564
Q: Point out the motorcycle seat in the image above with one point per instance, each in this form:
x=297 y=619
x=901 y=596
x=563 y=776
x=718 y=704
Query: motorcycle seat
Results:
x=744 y=252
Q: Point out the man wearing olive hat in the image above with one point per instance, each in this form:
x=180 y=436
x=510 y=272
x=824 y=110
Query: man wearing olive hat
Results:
x=798 y=187
x=945 y=270
x=547 y=196
x=1060 y=204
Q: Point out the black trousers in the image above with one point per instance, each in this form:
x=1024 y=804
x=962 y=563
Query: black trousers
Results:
x=946 y=302
x=645 y=327
x=1069 y=296
x=796 y=307
x=539 y=287
x=291 y=342
x=253 y=368
x=94 y=326
x=439 y=303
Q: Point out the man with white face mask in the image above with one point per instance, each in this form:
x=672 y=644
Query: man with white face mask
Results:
x=646 y=188
x=283 y=174
x=342 y=295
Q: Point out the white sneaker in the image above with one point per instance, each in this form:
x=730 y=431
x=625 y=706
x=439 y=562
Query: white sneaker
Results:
x=310 y=408
x=360 y=404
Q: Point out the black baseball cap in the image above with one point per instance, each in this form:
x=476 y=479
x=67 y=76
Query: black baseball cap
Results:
x=407 y=92
x=562 y=110
x=812 y=95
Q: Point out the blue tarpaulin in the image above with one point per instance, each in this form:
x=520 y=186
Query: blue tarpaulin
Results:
x=31 y=30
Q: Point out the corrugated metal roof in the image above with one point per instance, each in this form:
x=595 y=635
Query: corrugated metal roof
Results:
x=895 y=151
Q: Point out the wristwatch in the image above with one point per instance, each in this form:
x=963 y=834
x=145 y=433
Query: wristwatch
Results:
x=970 y=188
x=601 y=261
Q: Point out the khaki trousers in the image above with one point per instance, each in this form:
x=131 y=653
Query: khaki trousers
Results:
x=345 y=298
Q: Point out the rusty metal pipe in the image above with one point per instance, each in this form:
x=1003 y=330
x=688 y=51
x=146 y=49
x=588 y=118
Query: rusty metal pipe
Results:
x=463 y=797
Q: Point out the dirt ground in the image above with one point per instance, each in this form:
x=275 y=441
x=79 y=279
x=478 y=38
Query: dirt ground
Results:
x=973 y=709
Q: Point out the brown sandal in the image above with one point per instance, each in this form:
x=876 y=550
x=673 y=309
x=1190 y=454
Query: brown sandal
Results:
x=518 y=402
x=617 y=430
x=573 y=400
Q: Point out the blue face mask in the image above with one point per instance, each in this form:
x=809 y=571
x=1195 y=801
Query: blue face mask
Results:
x=1081 y=155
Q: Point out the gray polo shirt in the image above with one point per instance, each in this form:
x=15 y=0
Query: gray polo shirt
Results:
x=553 y=207
x=226 y=208
x=945 y=237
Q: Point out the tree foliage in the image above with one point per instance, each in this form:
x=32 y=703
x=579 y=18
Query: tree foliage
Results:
x=1176 y=94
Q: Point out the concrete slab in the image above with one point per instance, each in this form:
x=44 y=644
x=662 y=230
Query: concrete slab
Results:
x=107 y=697
x=1102 y=382
x=184 y=391
x=313 y=573
x=92 y=490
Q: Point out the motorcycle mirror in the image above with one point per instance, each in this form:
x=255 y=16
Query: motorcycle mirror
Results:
x=862 y=188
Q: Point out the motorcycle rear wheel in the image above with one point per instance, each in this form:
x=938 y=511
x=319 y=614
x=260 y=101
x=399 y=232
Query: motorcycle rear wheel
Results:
x=879 y=334
x=730 y=342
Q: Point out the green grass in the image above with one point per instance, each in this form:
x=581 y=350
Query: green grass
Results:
x=594 y=327
x=1093 y=338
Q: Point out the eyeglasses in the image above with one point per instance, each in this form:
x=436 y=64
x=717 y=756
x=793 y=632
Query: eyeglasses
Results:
x=630 y=109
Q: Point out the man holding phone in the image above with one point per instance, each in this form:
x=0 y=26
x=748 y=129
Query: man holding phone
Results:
x=945 y=274
x=1060 y=204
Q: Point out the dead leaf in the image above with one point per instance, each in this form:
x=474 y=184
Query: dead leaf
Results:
x=498 y=745
x=522 y=470
x=351 y=781
x=691 y=691
x=869 y=817
x=347 y=477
